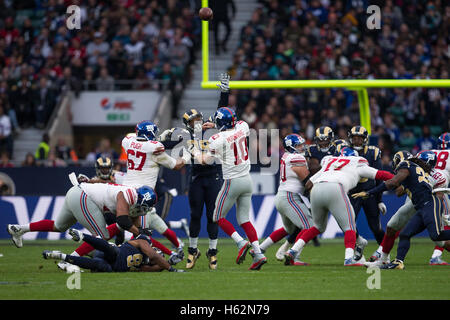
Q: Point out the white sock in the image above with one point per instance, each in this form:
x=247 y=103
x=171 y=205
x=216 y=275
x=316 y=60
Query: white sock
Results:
x=298 y=245
x=266 y=243
x=360 y=239
x=349 y=252
x=75 y=254
x=24 y=227
x=436 y=253
x=175 y=224
x=380 y=249
x=193 y=242
x=213 y=243
x=384 y=256
x=255 y=246
x=236 y=237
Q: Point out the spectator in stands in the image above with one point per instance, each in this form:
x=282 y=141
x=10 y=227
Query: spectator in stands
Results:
x=104 y=81
x=29 y=161
x=21 y=96
x=6 y=140
x=53 y=160
x=96 y=48
x=426 y=141
x=65 y=152
x=44 y=102
x=105 y=150
x=220 y=10
x=43 y=148
x=5 y=160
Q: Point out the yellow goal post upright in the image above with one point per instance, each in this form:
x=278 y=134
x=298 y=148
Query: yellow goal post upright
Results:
x=359 y=85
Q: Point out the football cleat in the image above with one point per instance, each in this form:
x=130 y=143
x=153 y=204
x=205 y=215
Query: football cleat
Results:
x=252 y=252
x=174 y=259
x=16 y=234
x=359 y=249
x=290 y=257
x=258 y=261
x=394 y=264
x=185 y=226
x=49 y=254
x=68 y=267
x=375 y=256
x=76 y=235
x=211 y=254
x=243 y=246
x=180 y=249
x=298 y=262
x=281 y=251
x=437 y=261
x=193 y=256
x=351 y=262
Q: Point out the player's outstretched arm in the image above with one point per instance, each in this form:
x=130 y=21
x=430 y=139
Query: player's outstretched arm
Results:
x=155 y=258
x=224 y=90
x=390 y=184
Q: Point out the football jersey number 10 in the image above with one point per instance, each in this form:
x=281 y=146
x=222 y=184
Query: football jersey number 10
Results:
x=240 y=150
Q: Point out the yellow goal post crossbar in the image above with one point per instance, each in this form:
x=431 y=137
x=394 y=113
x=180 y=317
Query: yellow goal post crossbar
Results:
x=359 y=85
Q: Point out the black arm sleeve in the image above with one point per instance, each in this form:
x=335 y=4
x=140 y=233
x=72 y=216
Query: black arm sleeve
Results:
x=377 y=165
x=223 y=101
x=124 y=222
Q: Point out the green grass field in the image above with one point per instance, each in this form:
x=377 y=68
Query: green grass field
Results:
x=24 y=275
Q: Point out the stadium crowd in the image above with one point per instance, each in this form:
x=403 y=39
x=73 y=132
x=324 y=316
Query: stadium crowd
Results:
x=294 y=39
x=285 y=39
x=151 y=43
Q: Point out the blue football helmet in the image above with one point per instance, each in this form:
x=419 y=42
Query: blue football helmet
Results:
x=147 y=198
x=225 y=118
x=147 y=130
x=427 y=156
x=292 y=141
x=444 y=141
x=349 y=152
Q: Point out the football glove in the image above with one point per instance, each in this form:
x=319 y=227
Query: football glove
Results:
x=145 y=232
x=82 y=178
x=224 y=82
x=364 y=195
x=166 y=135
x=382 y=208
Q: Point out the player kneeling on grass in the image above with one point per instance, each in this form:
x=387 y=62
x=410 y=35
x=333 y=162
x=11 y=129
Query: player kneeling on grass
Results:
x=412 y=174
x=133 y=255
x=329 y=190
x=295 y=214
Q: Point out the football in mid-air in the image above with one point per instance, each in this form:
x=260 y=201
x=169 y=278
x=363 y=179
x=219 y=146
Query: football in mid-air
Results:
x=205 y=14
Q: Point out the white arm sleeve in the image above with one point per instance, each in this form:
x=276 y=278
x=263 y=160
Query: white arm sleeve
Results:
x=165 y=160
x=367 y=172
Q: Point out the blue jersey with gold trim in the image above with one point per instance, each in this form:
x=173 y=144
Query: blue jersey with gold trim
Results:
x=128 y=259
x=313 y=151
x=416 y=185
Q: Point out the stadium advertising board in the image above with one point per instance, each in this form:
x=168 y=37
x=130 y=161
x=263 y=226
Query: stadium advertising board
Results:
x=113 y=108
x=22 y=210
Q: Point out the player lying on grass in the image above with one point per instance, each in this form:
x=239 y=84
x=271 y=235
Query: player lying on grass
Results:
x=133 y=255
x=411 y=173
x=329 y=189
x=294 y=213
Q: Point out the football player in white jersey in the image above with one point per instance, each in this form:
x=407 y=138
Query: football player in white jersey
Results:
x=294 y=212
x=85 y=203
x=230 y=147
x=145 y=155
x=329 y=190
x=438 y=179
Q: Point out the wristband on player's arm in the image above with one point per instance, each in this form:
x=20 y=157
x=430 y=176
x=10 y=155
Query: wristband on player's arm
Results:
x=304 y=181
x=124 y=222
x=378 y=189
